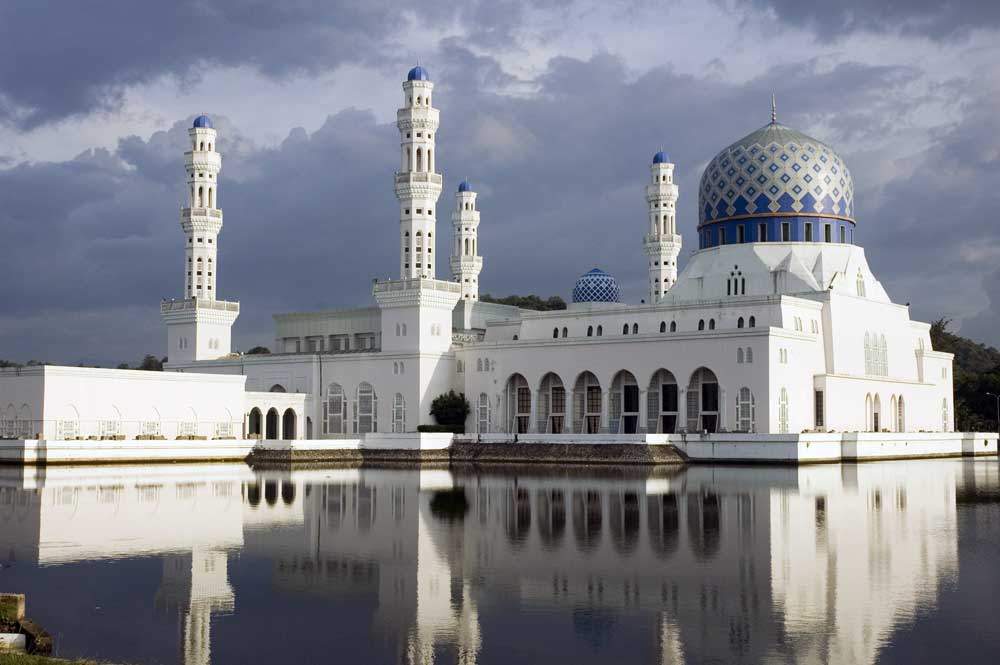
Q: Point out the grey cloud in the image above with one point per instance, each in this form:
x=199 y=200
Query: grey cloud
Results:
x=560 y=173
x=937 y=19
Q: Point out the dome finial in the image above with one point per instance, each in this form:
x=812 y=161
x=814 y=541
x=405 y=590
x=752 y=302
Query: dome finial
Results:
x=774 y=110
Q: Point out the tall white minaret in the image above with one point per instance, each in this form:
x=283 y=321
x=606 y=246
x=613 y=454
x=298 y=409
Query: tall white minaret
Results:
x=466 y=263
x=199 y=325
x=201 y=220
x=418 y=185
x=662 y=244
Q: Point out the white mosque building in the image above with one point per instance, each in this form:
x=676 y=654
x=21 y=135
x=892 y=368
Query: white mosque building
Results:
x=777 y=324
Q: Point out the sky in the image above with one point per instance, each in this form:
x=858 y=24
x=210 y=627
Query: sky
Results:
x=552 y=109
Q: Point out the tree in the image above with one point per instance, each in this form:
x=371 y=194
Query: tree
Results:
x=151 y=363
x=259 y=351
x=123 y=366
x=527 y=302
x=450 y=408
x=975 y=372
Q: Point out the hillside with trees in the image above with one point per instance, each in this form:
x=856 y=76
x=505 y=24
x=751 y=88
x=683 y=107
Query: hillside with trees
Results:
x=527 y=302
x=976 y=372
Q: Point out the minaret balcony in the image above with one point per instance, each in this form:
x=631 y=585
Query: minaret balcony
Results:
x=195 y=215
x=405 y=177
x=200 y=159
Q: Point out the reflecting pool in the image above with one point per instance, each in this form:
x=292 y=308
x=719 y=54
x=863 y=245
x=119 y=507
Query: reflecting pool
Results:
x=888 y=562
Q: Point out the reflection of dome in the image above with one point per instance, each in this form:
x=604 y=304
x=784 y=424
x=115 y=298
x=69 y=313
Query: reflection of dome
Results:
x=418 y=73
x=661 y=158
x=203 y=121
x=465 y=186
x=781 y=178
x=596 y=286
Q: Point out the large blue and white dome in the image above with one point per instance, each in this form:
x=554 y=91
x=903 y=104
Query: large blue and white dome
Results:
x=596 y=286
x=778 y=185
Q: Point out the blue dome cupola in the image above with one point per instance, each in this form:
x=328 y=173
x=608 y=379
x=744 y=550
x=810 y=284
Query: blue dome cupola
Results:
x=465 y=186
x=418 y=73
x=596 y=286
x=203 y=122
x=661 y=158
x=776 y=185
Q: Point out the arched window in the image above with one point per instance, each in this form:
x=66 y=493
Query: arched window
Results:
x=399 y=330
x=479 y=364
x=600 y=331
x=783 y=411
x=398 y=413
x=860 y=283
x=483 y=413
x=900 y=415
x=555 y=333
x=404 y=330
x=625 y=329
x=335 y=410
x=701 y=324
x=420 y=160
x=877 y=414
x=753 y=322
x=565 y=332
x=749 y=355
x=635 y=328
x=711 y=324
x=739 y=322
x=365 y=409
x=201 y=197
x=663 y=326
x=673 y=326
x=739 y=355
x=590 y=331
x=868 y=353
x=746 y=411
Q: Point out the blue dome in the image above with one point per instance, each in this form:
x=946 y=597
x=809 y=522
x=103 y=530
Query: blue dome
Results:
x=203 y=121
x=418 y=73
x=776 y=178
x=596 y=286
x=465 y=186
x=661 y=158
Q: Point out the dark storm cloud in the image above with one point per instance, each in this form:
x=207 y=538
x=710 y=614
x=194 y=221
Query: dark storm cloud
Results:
x=937 y=19
x=57 y=62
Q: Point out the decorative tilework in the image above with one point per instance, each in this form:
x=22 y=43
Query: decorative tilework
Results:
x=596 y=286
x=775 y=169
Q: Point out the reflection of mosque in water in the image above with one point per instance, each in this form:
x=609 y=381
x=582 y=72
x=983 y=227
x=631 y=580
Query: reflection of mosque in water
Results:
x=721 y=563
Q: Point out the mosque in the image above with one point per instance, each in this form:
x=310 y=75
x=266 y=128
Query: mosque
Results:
x=777 y=324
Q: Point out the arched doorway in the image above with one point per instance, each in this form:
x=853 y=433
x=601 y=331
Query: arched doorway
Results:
x=366 y=409
x=254 y=424
x=587 y=402
x=703 y=401
x=271 y=424
x=552 y=405
x=661 y=400
x=288 y=424
x=624 y=415
x=877 y=414
x=518 y=394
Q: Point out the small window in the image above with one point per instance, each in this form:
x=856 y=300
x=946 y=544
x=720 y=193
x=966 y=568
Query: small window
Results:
x=828 y=233
x=673 y=326
x=590 y=331
x=741 y=234
x=753 y=322
x=809 y=232
x=843 y=234
x=711 y=324
x=555 y=333
x=722 y=236
x=786 y=232
x=739 y=322
x=663 y=326
x=600 y=331
x=635 y=328
x=701 y=324
x=762 y=232
x=565 y=332
x=625 y=329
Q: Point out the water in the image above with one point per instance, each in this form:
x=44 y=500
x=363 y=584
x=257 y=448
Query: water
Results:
x=892 y=562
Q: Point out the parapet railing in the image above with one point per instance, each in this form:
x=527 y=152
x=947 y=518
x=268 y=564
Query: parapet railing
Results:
x=118 y=429
x=187 y=213
x=403 y=177
x=198 y=303
x=405 y=284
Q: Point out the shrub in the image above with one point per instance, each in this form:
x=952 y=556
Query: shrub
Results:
x=450 y=408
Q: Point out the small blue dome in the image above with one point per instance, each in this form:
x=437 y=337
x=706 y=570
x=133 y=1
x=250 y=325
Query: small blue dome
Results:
x=418 y=73
x=596 y=286
x=203 y=121
x=661 y=158
x=465 y=186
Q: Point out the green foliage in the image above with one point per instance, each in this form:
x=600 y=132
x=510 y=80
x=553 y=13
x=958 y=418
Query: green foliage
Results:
x=976 y=371
x=527 y=302
x=450 y=408
x=449 y=505
x=151 y=363
x=451 y=429
x=259 y=351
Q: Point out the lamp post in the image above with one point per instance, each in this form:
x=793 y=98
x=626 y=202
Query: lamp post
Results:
x=997 y=397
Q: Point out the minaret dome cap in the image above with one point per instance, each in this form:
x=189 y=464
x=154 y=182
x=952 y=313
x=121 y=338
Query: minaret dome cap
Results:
x=203 y=121
x=418 y=73
x=661 y=158
x=465 y=186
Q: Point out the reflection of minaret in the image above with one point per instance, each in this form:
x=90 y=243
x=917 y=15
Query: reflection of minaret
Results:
x=196 y=585
x=671 y=647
